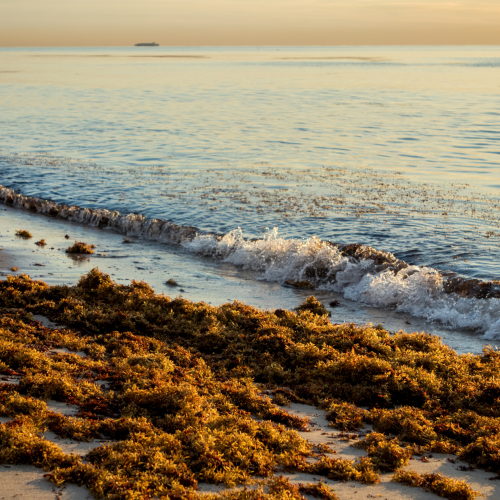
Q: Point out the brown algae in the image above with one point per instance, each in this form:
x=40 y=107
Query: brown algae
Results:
x=318 y=490
x=81 y=248
x=387 y=455
x=300 y=284
x=22 y=233
x=184 y=382
x=41 y=243
x=443 y=486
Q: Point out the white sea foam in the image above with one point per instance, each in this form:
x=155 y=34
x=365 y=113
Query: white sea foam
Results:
x=383 y=283
x=415 y=290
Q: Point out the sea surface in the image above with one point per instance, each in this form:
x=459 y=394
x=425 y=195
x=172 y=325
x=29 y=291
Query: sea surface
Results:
x=271 y=154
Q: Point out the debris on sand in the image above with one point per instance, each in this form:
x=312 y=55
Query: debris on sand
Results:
x=81 y=247
x=22 y=233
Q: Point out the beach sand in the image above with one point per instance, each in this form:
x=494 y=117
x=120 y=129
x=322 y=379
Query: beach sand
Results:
x=27 y=483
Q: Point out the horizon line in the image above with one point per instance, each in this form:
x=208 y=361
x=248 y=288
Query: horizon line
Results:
x=267 y=45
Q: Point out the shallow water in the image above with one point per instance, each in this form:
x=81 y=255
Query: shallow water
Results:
x=391 y=147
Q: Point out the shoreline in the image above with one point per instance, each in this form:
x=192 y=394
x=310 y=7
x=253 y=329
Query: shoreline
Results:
x=203 y=278
x=168 y=232
x=271 y=395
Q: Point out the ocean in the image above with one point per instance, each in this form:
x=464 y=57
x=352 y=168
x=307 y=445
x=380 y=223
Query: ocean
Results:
x=258 y=166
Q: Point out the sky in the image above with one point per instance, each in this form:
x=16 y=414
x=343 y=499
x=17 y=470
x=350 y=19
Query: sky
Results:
x=248 y=22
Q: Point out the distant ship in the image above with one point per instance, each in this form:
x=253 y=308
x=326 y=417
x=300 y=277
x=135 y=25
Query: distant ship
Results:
x=147 y=44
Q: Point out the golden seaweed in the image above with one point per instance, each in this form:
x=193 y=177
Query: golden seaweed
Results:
x=80 y=247
x=443 y=486
x=23 y=233
x=186 y=383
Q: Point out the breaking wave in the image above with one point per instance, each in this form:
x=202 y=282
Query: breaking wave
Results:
x=359 y=272
x=362 y=274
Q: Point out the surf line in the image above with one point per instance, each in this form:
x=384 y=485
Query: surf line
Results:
x=360 y=272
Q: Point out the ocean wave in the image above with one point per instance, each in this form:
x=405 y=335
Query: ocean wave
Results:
x=359 y=272
x=363 y=274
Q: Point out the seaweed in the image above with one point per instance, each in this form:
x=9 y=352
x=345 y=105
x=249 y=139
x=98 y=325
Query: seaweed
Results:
x=300 y=284
x=345 y=416
x=80 y=247
x=23 y=233
x=198 y=375
x=175 y=423
x=387 y=455
x=339 y=469
x=484 y=452
x=443 y=486
x=315 y=306
x=318 y=490
x=19 y=444
x=41 y=243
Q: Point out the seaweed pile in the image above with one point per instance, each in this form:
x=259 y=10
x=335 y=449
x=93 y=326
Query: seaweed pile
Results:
x=171 y=420
x=184 y=383
x=23 y=233
x=80 y=247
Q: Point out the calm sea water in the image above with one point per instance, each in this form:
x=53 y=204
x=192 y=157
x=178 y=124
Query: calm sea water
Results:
x=394 y=147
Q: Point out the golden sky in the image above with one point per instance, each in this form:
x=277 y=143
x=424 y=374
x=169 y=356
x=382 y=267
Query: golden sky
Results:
x=248 y=22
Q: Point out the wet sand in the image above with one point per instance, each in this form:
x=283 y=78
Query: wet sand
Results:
x=199 y=278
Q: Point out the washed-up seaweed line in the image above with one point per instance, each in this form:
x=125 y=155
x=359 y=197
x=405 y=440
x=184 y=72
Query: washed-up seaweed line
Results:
x=184 y=383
